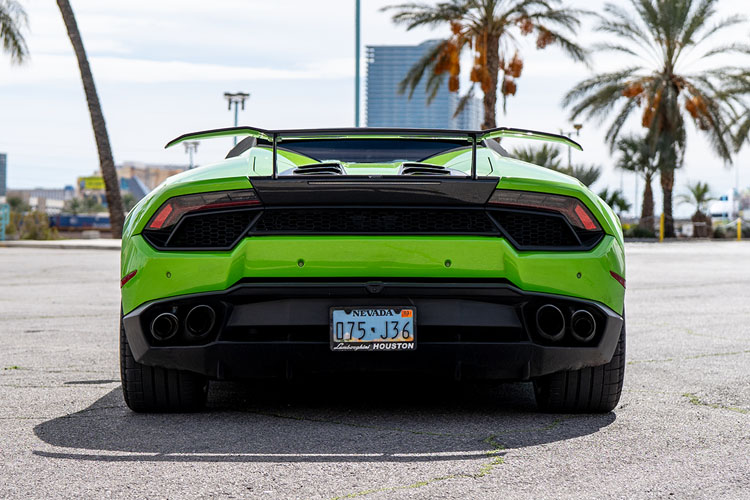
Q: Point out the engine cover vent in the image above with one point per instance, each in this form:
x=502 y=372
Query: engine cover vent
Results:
x=427 y=169
x=330 y=168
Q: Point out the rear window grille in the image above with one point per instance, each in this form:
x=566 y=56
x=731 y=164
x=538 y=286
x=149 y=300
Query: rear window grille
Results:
x=211 y=230
x=221 y=230
x=375 y=221
x=536 y=230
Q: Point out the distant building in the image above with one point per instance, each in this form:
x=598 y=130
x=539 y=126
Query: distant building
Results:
x=387 y=65
x=44 y=199
x=140 y=178
x=3 y=174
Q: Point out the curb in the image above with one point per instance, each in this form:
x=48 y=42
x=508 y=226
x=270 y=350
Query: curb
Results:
x=64 y=244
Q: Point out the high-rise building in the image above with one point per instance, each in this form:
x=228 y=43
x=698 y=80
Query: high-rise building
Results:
x=387 y=65
x=3 y=173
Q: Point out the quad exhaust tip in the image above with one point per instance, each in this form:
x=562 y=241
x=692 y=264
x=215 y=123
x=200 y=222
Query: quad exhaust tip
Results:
x=550 y=322
x=200 y=320
x=582 y=325
x=164 y=326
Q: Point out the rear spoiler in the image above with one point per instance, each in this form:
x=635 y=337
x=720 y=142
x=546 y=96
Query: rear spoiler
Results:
x=475 y=137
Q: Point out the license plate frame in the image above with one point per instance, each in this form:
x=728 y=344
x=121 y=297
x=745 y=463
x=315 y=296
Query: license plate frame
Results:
x=375 y=319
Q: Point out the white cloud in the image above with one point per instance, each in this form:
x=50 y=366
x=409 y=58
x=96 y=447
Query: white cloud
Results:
x=48 y=68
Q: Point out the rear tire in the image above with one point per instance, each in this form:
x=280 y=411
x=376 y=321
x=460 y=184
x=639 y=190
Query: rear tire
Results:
x=151 y=389
x=589 y=390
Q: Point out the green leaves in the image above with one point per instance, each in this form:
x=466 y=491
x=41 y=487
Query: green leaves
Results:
x=491 y=30
x=698 y=195
x=653 y=37
x=13 y=21
x=549 y=156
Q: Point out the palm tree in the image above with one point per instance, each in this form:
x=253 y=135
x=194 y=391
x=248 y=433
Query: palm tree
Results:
x=615 y=199
x=12 y=21
x=636 y=156
x=586 y=174
x=550 y=157
x=658 y=39
x=545 y=155
x=106 y=162
x=698 y=195
x=491 y=29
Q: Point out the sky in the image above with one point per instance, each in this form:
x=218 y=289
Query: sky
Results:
x=161 y=69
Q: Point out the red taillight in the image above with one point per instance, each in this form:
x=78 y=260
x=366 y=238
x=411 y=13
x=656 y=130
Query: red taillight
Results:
x=619 y=278
x=572 y=208
x=174 y=208
x=127 y=278
x=161 y=216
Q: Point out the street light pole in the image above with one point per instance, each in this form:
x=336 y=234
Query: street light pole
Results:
x=190 y=148
x=238 y=99
x=356 y=62
x=577 y=132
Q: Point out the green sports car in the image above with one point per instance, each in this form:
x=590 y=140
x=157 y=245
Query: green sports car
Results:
x=372 y=250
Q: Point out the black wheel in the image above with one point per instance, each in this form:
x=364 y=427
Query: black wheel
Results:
x=151 y=389
x=588 y=390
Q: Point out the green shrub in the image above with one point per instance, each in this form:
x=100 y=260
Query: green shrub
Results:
x=35 y=226
x=639 y=232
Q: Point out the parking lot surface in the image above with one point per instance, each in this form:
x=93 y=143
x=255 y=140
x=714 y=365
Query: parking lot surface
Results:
x=682 y=428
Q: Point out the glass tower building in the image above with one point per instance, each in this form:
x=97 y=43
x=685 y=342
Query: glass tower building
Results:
x=387 y=65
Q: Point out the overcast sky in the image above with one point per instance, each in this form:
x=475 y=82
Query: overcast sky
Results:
x=161 y=69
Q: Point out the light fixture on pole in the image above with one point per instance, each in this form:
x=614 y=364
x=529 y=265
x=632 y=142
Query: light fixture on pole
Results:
x=238 y=99
x=577 y=131
x=191 y=147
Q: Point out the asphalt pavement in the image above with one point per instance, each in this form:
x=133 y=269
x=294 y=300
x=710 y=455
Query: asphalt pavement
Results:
x=682 y=429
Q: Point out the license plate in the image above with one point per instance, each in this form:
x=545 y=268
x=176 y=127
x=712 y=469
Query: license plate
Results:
x=373 y=328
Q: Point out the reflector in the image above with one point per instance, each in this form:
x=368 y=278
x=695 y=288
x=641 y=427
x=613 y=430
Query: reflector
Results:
x=619 y=278
x=127 y=278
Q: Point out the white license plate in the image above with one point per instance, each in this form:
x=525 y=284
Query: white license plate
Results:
x=385 y=328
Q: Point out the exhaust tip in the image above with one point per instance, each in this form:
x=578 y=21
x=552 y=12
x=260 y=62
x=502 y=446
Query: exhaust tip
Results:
x=550 y=322
x=200 y=320
x=582 y=325
x=164 y=326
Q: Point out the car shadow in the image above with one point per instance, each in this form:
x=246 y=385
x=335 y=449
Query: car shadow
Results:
x=319 y=420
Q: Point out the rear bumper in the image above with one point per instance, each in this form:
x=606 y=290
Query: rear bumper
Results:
x=467 y=329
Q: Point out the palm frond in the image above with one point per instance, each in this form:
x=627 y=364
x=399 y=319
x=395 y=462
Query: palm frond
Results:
x=698 y=195
x=417 y=71
x=546 y=155
x=13 y=20
x=464 y=100
x=615 y=199
x=742 y=132
x=587 y=174
x=432 y=87
x=422 y=14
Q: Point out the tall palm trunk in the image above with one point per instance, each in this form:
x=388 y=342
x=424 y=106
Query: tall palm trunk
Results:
x=106 y=163
x=647 y=210
x=490 y=95
x=667 y=184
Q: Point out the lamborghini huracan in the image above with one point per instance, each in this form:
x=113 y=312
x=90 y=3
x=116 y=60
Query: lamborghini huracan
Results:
x=356 y=250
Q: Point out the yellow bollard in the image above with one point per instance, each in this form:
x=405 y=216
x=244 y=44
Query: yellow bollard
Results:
x=661 y=228
x=739 y=228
